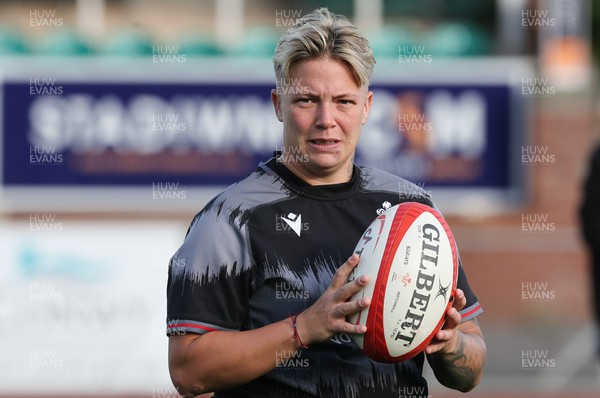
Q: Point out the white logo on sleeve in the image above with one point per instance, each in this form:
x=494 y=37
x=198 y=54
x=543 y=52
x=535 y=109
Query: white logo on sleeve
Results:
x=294 y=221
x=384 y=206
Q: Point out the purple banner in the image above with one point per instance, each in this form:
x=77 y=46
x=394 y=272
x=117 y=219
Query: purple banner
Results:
x=95 y=134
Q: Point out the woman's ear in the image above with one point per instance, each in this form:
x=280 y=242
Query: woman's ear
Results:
x=276 y=100
x=367 y=107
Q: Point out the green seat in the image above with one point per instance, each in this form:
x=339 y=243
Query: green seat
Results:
x=64 y=42
x=129 y=43
x=259 y=42
x=198 y=46
x=387 y=42
x=12 y=42
x=456 y=40
x=343 y=7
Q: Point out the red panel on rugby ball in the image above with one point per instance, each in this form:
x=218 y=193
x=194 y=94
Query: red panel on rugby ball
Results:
x=410 y=256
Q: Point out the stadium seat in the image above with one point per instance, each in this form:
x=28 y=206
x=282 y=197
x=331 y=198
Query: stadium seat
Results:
x=129 y=43
x=198 y=46
x=12 y=42
x=64 y=42
x=259 y=42
x=387 y=42
x=457 y=39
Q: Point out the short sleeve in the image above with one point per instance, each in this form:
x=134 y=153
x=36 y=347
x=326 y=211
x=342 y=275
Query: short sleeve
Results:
x=472 y=307
x=209 y=275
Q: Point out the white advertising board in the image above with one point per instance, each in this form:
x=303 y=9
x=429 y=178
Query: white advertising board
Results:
x=83 y=306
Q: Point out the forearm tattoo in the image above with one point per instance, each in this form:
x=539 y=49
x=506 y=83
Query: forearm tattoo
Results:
x=459 y=370
x=460 y=367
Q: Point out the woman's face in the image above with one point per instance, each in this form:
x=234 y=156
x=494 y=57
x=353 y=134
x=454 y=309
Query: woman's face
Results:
x=322 y=110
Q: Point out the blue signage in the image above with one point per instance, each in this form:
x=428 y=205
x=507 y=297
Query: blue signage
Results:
x=212 y=134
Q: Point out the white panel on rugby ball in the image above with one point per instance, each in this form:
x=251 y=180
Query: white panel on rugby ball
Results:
x=410 y=256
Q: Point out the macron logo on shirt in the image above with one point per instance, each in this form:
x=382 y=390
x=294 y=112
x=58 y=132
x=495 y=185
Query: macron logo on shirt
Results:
x=294 y=221
x=289 y=223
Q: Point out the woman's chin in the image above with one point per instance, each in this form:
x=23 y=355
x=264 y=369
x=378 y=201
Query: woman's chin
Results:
x=324 y=161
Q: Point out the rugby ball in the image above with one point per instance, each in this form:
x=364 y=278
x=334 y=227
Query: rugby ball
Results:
x=410 y=256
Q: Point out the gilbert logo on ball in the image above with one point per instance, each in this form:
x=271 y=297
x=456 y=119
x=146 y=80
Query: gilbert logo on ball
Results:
x=410 y=256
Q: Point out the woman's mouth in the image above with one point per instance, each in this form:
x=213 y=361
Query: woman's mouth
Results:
x=324 y=143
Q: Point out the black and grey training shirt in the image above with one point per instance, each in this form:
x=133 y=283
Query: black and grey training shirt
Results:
x=267 y=247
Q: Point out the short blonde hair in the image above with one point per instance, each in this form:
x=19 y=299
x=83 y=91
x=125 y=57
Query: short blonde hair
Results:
x=322 y=33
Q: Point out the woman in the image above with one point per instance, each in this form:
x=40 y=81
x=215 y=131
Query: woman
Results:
x=260 y=307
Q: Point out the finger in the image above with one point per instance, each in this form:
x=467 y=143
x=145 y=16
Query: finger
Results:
x=347 y=327
x=443 y=336
x=435 y=347
x=347 y=290
x=352 y=307
x=440 y=341
x=452 y=319
x=341 y=275
x=459 y=300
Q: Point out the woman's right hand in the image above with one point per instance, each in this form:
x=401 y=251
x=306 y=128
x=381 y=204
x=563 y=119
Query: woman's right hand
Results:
x=327 y=316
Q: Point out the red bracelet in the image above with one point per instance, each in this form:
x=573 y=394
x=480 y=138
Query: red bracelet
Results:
x=296 y=335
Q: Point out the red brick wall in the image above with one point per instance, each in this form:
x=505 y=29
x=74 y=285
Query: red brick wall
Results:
x=499 y=256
